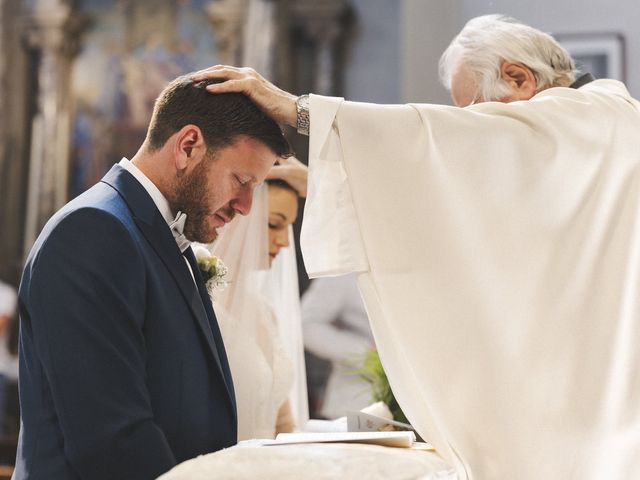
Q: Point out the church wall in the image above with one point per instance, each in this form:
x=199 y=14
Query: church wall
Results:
x=373 y=60
x=394 y=50
x=428 y=26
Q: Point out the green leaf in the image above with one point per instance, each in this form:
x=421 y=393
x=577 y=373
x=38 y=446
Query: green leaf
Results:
x=373 y=373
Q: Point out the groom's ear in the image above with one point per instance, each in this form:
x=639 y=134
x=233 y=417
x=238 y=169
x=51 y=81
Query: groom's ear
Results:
x=189 y=148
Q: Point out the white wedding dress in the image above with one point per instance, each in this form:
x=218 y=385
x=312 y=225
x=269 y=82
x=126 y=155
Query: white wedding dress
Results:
x=261 y=369
x=259 y=317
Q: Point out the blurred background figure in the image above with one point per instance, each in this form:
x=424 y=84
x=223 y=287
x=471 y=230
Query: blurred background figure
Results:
x=8 y=363
x=336 y=328
x=8 y=306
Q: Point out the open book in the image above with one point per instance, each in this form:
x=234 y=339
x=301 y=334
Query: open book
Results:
x=387 y=439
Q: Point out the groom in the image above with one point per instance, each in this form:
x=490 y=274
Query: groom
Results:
x=123 y=373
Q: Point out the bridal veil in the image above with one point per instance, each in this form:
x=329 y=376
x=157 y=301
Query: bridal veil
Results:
x=259 y=316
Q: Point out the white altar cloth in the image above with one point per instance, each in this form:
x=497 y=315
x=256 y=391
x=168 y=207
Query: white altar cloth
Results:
x=314 y=462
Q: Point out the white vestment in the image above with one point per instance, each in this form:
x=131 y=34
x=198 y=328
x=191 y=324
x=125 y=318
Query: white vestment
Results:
x=499 y=251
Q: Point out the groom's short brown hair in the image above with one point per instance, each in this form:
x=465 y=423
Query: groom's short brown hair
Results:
x=221 y=117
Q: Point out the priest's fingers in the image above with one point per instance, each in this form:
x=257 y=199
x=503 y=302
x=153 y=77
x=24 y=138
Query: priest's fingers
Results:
x=278 y=104
x=220 y=71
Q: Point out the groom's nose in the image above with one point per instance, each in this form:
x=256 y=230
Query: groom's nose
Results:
x=243 y=200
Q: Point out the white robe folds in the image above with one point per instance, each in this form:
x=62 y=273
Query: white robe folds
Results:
x=499 y=251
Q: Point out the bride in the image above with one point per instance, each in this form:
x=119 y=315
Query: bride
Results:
x=259 y=314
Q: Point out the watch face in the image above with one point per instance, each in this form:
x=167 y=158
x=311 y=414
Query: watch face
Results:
x=303 y=101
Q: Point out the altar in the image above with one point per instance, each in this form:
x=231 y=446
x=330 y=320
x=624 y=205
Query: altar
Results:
x=317 y=461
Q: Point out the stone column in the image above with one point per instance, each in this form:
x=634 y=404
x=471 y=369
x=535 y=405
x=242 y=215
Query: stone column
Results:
x=51 y=34
x=13 y=137
x=259 y=42
x=323 y=22
x=3 y=54
x=228 y=18
x=247 y=34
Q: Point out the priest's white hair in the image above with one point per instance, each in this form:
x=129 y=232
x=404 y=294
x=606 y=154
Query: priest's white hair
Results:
x=487 y=41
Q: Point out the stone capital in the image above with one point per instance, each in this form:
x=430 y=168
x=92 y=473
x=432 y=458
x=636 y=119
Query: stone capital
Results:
x=228 y=18
x=45 y=26
x=321 y=20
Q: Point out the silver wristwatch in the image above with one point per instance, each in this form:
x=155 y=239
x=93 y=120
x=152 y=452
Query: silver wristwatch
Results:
x=302 y=109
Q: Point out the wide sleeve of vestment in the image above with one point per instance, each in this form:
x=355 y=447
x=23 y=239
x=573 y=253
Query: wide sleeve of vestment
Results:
x=498 y=249
x=331 y=240
x=86 y=301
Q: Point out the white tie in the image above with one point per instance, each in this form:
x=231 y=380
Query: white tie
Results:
x=177 y=228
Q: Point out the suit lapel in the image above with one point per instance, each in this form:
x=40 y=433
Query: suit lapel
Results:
x=165 y=246
x=157 y=232
x=213 y=321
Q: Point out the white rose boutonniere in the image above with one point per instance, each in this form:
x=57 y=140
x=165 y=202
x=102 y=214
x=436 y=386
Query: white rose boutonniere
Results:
x=212 y=269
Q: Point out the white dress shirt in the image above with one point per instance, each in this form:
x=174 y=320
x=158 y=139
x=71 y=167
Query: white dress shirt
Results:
x=156 y=195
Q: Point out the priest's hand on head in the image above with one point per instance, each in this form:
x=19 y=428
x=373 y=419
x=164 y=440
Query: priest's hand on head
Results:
x=278 y=104
x=292 y=171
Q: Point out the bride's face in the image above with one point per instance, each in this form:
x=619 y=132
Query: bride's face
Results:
x=283 y=210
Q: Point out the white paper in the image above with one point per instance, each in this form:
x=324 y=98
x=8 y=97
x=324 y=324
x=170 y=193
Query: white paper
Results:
x=388 y=439
x=326 y=426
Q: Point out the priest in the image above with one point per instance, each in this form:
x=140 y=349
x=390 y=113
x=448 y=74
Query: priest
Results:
x=498 y=247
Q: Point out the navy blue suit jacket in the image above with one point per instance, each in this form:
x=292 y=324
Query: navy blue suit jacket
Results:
x=123 y=371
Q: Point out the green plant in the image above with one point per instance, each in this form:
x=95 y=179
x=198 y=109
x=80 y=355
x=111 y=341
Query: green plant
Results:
x=373 y=373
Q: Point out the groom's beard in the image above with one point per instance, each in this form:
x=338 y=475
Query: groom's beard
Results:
x=193 y=198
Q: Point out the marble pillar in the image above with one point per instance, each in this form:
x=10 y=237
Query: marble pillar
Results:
x=51 y=34
x=228 y=18
x=259 y=37
x=324 y=24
